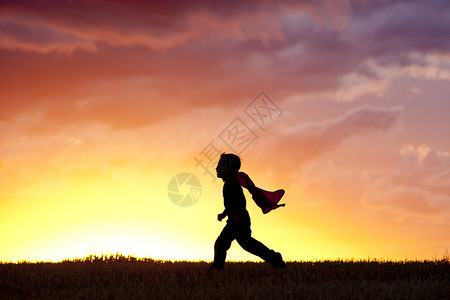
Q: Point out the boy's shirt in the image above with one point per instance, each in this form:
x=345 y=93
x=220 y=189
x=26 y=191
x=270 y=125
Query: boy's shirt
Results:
x=233 y=199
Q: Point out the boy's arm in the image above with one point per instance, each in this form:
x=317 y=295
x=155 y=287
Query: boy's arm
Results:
x=222 y=215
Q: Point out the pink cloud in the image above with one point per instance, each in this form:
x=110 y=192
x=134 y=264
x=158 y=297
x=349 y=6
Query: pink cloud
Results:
x=310 y=140
x=193 y=54
x=158 y=27
x=370 y=207
x=424 y=167
x=384 y=194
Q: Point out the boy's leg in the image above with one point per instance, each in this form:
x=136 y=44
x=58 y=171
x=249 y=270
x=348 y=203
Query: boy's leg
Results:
x=245 y=240
x=259 y=249
x=221 y=246
x=255 y=247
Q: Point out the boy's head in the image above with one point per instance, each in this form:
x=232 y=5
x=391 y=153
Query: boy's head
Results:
x=229 y=164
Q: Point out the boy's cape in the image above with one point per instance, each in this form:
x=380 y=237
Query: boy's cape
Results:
x=264 y=199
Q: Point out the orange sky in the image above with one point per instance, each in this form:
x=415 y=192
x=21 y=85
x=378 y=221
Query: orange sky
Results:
x=102 y=104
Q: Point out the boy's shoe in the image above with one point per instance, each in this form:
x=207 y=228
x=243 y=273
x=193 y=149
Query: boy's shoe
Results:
x=277 y=261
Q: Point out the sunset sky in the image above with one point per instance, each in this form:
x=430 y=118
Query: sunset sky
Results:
x=102 y=103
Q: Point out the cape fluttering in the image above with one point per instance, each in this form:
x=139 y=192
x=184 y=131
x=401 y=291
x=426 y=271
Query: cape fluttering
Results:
x=266 y=200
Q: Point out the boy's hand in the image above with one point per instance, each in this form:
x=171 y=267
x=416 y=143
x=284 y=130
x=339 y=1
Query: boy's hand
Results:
x=221 y=216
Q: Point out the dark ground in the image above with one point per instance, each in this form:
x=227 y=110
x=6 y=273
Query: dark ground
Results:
x=119 y=277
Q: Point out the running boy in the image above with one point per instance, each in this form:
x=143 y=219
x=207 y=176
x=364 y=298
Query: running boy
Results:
x=238 y=222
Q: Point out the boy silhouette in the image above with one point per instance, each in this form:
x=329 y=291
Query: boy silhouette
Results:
x=238 y=222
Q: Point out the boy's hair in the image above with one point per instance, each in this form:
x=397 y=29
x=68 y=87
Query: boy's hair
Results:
x=231 y=161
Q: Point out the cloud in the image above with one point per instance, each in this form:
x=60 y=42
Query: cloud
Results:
x=397 y=28
x=309 y=140
x=424 y=167
x=57 y=55
x=403 y=200
x=347 y=203
x=26 y=32
x=31 y=33
x=158 y=26
x=417 y=188
x=431 y=67
x=423 y=159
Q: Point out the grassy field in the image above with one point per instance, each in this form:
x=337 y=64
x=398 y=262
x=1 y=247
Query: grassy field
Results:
x=119 y=277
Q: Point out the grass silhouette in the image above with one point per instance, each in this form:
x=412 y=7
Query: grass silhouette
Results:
x=125 y=277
